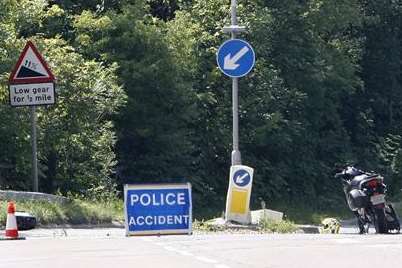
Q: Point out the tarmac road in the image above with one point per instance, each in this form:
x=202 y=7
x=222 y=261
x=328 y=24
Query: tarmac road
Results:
x=50 y=248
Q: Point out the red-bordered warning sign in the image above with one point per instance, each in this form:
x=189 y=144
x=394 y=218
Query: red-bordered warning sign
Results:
x=30 y=67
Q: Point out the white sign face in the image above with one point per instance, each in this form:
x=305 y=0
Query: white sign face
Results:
x=30 y=67
x=32 y=94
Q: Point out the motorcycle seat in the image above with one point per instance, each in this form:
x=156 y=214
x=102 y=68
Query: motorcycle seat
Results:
x=358 y=180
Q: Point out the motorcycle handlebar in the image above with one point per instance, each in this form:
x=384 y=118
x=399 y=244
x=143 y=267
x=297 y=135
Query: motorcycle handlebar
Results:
x=338 y=175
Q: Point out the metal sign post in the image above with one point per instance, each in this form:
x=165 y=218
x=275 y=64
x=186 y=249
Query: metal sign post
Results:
x=235 y=59
x=236 y=156
x=34 y=150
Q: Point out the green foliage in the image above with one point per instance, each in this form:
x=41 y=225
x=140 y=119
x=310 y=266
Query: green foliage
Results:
x=77 y=133
x=75 y=136
x=290 y=126
x=265 y=226
x=281 y=227
x=205 y=226
x=326 y=89
x=151 y=130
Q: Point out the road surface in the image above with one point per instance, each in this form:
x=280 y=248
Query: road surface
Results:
x=73 y=248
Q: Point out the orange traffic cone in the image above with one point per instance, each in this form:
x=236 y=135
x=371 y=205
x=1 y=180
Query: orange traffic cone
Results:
x=11 y=225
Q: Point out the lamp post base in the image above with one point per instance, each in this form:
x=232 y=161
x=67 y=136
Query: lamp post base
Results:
x=236 y=158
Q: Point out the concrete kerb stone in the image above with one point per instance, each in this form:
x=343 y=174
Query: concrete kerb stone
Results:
x=9 y=239
x=265 y=215
x=114 y=225
x=23 y=196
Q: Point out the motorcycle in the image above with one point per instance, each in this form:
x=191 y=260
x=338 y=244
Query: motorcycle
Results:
x=365 y=194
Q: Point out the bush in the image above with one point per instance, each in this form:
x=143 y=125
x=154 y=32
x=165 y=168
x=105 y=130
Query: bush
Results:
x=282 y=227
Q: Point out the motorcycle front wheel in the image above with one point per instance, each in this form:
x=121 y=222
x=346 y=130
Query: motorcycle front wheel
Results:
x=380 y=221
x=363 y=222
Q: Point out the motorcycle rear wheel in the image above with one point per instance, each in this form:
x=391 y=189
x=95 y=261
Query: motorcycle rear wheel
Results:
x=392 y=218
x=380 y=221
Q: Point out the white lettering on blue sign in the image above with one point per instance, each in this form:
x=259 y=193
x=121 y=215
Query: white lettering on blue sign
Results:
x=170 y=199
x=159 y=220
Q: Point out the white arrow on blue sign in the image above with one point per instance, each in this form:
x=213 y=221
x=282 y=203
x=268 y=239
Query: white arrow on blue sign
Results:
x=241 y=177
x=235 y=58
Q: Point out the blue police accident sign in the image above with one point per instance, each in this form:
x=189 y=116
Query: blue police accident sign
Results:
x=241 y=178
x=235 y=58
x=158 y=209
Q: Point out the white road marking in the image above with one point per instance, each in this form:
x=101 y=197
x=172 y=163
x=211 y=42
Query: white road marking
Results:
x=221 y=266
x=184 y=253
x=205 y=259
x=170 y=248
x=390 y=246
x=346 y=241
x=181 y=252
x=22 y=259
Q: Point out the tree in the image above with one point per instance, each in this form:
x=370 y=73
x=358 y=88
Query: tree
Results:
x=291 y=126
x=381 y=99
x=75 y=136
x=152 y=138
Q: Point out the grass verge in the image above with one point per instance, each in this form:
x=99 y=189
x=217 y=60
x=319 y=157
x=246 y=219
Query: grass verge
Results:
x=75 y=212
x=82 y=211
x=282 y=227
x=304 y=215
x=266 y=226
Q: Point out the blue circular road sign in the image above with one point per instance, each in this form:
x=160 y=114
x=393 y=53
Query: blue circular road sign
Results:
x=241 y=178
x=235 y=58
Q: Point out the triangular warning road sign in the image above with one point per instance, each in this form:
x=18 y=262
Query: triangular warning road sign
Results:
x=30 y=67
